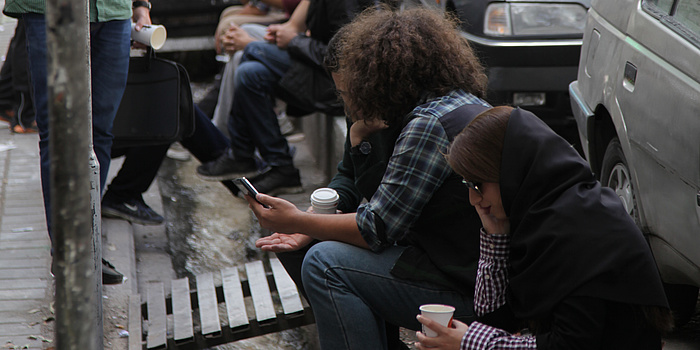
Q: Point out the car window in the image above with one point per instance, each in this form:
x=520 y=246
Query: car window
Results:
x=681 y=16
x=688 y=14
x=663 y=5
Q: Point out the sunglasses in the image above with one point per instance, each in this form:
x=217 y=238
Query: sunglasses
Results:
x=476 y=186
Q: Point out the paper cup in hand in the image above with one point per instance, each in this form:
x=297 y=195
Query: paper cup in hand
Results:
x=153 y=35
x=439 y=313
x=324 y=201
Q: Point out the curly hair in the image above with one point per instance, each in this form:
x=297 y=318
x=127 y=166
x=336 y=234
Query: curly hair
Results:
x=393 y=59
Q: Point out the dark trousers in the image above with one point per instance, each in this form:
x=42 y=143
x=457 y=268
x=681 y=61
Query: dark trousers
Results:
x=15 y=93
x=141 y=164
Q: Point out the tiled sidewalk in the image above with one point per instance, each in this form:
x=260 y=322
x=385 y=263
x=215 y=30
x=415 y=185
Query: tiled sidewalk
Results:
x=25 y=257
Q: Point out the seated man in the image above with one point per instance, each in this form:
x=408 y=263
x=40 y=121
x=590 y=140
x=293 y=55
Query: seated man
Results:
x=416 y=239
x=123 y=198
x=259 y=81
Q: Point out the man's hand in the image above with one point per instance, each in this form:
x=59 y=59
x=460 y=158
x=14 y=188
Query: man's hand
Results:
x=236 y=39
x=361 y=129
x=281 y=242
x=281 y=216
x=281 y=34
x=141 y=17
x=447 y=338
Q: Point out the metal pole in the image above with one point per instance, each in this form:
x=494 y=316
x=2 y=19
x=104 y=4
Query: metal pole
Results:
x=78 y=300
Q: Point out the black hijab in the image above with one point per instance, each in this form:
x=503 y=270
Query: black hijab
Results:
x=569 y=235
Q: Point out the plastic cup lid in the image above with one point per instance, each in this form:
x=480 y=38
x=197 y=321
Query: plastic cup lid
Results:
x=324 y=195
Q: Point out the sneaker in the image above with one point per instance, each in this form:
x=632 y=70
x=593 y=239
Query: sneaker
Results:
x=109 y=274
x=278 y=180
x=285 y=124
x=226 y=168
x=177 y=152
x=133 y=210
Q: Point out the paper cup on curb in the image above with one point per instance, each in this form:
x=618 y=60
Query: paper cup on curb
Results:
x=153 y=35
x=324 y=201
x=439 y=313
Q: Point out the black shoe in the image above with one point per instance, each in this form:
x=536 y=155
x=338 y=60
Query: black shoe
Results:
x=278 y=180
x=109 y=274
x=133 y=210
x=226 y=168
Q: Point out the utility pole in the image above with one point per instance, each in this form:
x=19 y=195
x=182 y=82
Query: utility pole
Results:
x=78 y=300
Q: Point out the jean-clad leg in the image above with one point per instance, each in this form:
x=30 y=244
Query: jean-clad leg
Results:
x=35 y=29
x=207 y=142
x=352 y=293
x=109 y=62
x=253 y=123
x=109 y=56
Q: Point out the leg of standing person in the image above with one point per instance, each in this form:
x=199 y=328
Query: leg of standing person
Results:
x=109 y=56
x=351 y=287
x=110 y=59
x=7 y=92
x=16 y=105
x=24 y=110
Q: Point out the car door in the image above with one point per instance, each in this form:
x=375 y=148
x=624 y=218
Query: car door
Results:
x=658 y=95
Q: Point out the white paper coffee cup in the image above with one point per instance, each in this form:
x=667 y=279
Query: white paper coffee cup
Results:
x=439 y=313
x=324 y=201
x=153 y=35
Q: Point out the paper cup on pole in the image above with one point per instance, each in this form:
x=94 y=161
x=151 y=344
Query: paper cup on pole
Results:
x=153 y=35
x=439 y=313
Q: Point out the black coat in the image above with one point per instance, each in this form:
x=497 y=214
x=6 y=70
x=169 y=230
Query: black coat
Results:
x=306 y=86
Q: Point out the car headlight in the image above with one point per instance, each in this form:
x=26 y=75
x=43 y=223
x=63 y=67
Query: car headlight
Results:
x=511 y=19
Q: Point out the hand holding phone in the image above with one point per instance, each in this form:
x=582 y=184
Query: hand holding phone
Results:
x=246 y=187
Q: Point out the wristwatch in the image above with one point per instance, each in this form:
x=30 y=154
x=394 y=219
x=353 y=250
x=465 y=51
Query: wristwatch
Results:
x=145 y=4
x=363 y=148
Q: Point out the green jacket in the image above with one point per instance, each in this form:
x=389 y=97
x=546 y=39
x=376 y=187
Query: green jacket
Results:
x=100 y=10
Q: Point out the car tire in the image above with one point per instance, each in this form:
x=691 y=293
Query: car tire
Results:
x=615 y=173
x=682 y=299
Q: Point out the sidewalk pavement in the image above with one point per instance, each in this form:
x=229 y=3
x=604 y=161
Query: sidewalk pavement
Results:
x=26 y=286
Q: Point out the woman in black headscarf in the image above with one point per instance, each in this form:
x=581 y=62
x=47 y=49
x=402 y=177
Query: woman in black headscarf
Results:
x=562 y=266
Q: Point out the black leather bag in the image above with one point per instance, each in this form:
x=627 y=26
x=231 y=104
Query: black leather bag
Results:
x=157 y=106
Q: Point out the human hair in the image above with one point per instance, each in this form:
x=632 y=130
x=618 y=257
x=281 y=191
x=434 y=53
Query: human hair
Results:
x=392 y=60
x=476 y=151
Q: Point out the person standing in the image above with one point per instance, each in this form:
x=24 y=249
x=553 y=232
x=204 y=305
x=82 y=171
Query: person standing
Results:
x=16 y=106
x=110 y=38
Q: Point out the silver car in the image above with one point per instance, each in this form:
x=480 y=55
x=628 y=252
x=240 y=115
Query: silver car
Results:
x=637 y=107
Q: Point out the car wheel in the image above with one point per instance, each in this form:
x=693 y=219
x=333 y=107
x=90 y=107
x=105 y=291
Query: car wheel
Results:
x=615 y=174
x=682 y=299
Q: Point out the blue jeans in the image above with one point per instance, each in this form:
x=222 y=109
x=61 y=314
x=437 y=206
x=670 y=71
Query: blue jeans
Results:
x=352 y=294
x=109 y=57
x=253 y=121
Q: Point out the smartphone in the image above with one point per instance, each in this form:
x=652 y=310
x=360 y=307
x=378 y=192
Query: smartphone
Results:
x=246 y=187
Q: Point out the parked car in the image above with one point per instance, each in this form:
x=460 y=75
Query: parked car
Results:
x=637 y=107
x=530 y=49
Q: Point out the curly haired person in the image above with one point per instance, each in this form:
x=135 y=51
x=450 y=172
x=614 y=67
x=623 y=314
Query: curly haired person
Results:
x=409 y=83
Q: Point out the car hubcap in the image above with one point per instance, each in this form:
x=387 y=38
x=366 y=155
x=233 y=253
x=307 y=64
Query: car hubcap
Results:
x=619 y=181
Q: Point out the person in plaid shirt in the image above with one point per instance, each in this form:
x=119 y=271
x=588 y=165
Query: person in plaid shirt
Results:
x=562 y=265
x=407 y=234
